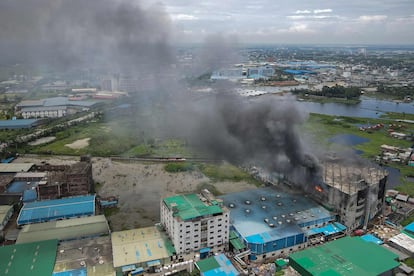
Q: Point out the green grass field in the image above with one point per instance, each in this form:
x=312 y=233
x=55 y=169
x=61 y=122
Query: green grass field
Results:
x=323 y=127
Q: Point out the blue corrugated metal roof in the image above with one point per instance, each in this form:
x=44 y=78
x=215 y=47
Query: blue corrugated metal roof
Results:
x=74 y=272
x=205 y=250
x=329 y=229
x=298 y=72
x=285 y=211
x=29 y=195
x=20 y=123
x=48 y=210
x=410 y=227
x=371 y=238
x=226 y=267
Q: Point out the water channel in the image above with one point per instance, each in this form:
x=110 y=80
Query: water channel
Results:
x=367 y=108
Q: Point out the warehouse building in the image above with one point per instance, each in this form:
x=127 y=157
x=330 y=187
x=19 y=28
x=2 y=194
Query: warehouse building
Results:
x=51 y=210
x=196 y=222
x=346 y=256
x=216 y=265
x=404 y=243
x=145 y=248
x=91 y=256
x=6 y=211
x=36 y=258
x=11 y=168
x=272 y=223
x=63 y=230
x=18 y=123
x=55 y=107
x=11 y=190
x=66 y=180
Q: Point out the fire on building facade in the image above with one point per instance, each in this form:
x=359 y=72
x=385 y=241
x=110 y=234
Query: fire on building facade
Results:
x=354 y=191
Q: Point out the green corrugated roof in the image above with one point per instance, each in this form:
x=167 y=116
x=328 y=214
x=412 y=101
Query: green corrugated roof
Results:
x=190 y=206
x=346 y=256
x=35 y=259
x=281 y=262
x=235 y=241
x=207 y=264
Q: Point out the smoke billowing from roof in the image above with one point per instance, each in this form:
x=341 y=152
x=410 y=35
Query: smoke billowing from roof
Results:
x=117 y=34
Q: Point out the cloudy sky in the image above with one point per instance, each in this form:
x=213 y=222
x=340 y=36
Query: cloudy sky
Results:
x=294 y=21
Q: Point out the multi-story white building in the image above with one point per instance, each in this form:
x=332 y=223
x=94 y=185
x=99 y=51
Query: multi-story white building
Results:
x=196 y=222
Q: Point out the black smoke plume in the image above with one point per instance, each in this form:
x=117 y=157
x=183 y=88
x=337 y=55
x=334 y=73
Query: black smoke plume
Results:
x=262 y=131
x=119 y=35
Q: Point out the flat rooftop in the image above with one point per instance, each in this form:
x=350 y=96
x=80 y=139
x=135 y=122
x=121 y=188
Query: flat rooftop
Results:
x=21 y=186
x=69 y=229
x=140 y=245
x=94 y=254
x=36 y=258
x=5 y=180
x=403 y=241
x=4 y=209
x=20 y=123
x=287 y=212
x=345 y=256
x=30 y=175
x=15 y=167
x=350 y=178
x=48 y=210
x=217 y=265
x=190 y=206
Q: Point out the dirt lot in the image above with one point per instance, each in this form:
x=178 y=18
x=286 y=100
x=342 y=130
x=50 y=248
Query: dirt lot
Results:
x=140 y=186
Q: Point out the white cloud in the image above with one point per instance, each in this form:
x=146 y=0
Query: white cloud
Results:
x=296 y=17
x=183 y=17
x=296 y=28
x=303 y=12
x=322 y=11
x=304 y=17
x=372 y=18
x=299 y=28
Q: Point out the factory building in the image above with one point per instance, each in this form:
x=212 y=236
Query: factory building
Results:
x=216 y=265
x=66 y=180
x=18 y=123
x=355 y=191
x=91 y=256
x=64 y=230
x=272 y=223
x=37 y=258
x=6 y=211
x=56 y=209
x=196 y=223
x=143 y=248
x=346 y=256
x=55 y=107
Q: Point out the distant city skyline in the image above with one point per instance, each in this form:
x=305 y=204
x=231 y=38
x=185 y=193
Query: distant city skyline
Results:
x=293 y=22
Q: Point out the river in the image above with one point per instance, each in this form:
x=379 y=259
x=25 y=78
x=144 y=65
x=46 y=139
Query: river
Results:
x=367 y=108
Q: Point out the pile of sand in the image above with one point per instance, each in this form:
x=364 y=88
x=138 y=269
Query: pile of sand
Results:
x=79 y=144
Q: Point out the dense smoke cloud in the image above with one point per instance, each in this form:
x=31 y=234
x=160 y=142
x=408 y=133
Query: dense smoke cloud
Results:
x=261 y=131
x=123 y=37
x=216 y=52
x=118 y=34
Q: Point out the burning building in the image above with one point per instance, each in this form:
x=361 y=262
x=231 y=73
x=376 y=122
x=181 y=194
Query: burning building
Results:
x=355 y=191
